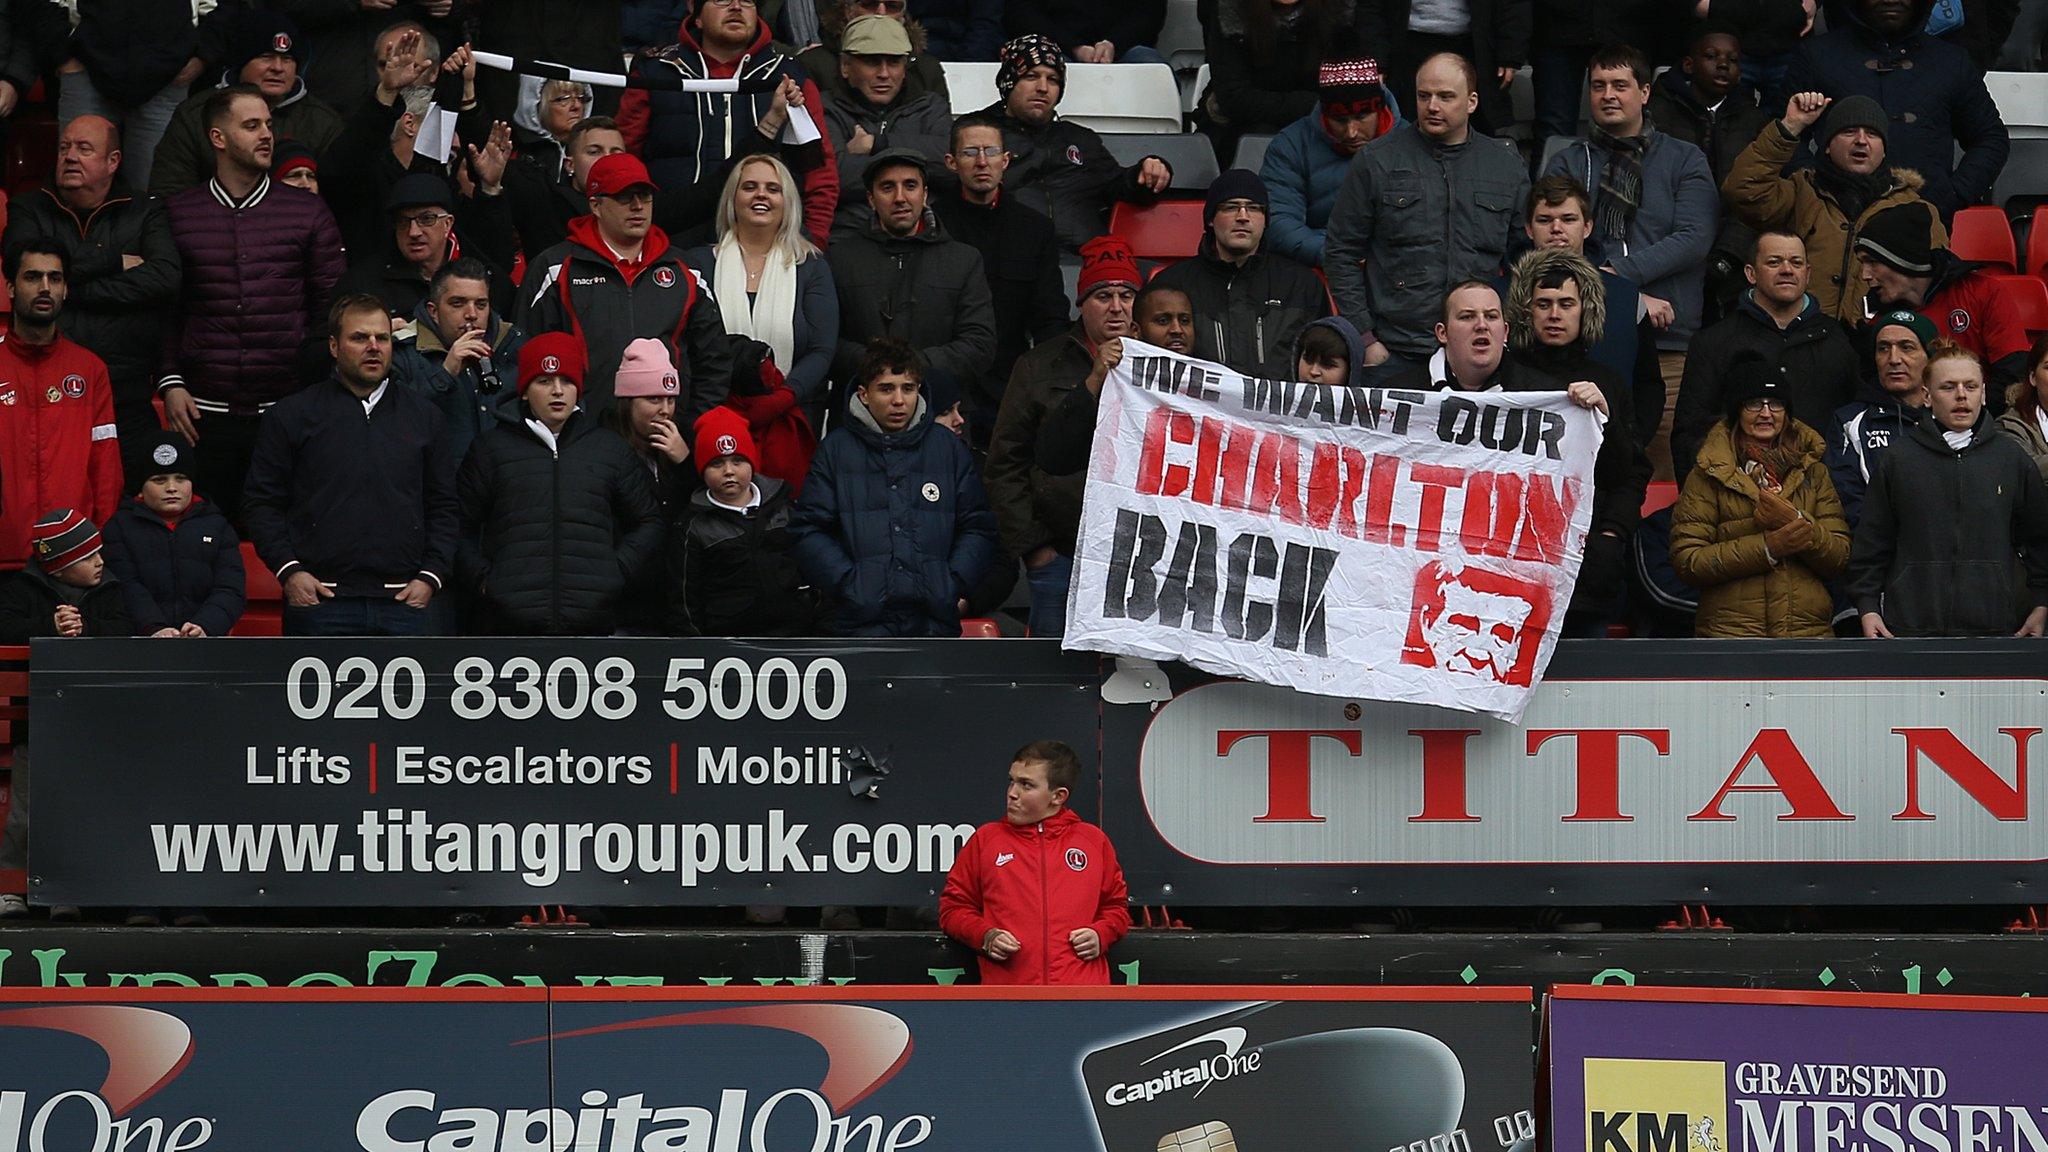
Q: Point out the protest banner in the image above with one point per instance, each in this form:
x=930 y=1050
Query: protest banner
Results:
x=1417 y=547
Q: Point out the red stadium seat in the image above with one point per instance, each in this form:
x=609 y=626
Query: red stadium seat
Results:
x=264 y=615
x=1168 y=230
x=1983 y=233
x=2029 y=295
x=980 y=628
x=2037 y=243
x=1659 y=496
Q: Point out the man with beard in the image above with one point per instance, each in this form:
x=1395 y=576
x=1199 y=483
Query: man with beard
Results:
x=1830 y=203
x=58 y=447
x=1305 y=163
x=1778 y=320
x=260 y=264
x=1020 y=255
x=1932 y=93
x=1038 y=513
x=351 y=499
x=1556 y=309
x=264 y=50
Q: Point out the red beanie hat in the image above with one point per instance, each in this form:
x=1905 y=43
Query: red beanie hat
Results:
x=1107 y=260
x=553 y=354
x=724 y=432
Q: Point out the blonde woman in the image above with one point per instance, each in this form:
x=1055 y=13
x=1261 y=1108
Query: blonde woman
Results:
x=771 y=283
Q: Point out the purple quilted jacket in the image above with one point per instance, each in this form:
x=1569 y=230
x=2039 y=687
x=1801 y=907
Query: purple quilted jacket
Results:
x=259 y=276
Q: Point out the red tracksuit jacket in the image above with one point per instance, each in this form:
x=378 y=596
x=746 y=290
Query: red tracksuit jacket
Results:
x=57 y=445
x=1037 y=882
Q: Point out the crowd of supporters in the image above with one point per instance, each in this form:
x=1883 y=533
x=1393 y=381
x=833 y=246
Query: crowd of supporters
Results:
x=467 y=350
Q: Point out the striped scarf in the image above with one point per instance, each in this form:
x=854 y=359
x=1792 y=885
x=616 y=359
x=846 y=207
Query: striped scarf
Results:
x=1621 y=185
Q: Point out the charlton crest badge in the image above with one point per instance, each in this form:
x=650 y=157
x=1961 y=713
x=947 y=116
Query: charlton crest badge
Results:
x=1958 y=320
x=726 y=445
x=1074 y=155
x=74 y=386
x=281 y=44
x=664 y=277
x=550 y=366
x=1077 y=860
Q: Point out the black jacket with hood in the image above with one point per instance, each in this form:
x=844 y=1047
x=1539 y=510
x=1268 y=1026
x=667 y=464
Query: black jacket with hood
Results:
x=734 y=573
x=552 y=534
x=1812 y=354
x=1248 y=316
x=1934 y=550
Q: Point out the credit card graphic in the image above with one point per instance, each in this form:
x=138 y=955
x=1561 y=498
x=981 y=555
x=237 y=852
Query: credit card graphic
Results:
x=1278 y=1077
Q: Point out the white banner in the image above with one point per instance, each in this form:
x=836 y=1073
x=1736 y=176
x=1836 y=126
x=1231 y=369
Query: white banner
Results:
x=1410 y=546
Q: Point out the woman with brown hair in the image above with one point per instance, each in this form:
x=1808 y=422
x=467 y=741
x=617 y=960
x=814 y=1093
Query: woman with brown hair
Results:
x=1758 y=528
x=2026 y=407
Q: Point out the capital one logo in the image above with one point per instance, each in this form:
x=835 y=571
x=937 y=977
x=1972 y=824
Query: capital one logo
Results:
x=145 y=1050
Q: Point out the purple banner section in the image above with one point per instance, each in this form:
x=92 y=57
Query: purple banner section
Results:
x=1693 y=1070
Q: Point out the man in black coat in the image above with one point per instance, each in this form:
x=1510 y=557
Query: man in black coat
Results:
x=557 y=514
x=1059 y=168
x=1492 y=34
x=1778 y=320
x=1704 y=103
x=349 y=497
x=903 y=276
x=125 y=271
x=1253 y=303
x=1020 y=255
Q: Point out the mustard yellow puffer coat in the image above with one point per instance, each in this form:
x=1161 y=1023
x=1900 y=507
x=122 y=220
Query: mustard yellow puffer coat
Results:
x=1718 y=547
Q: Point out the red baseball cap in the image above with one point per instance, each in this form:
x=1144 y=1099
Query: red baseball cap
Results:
x=617 y=173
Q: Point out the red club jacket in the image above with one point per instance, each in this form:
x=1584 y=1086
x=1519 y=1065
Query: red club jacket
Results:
x=57 y=445
x=1037 y=882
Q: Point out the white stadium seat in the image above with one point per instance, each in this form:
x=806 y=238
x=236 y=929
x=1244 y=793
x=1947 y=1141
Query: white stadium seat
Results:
x=1105 y=97
x=1180 y=38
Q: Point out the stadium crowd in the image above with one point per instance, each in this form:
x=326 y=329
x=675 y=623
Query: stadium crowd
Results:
x=465 y=350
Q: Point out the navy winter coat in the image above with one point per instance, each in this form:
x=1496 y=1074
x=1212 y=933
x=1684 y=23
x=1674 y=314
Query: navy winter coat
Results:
x=1934 y=94
x=173 y=573
x=894 y=525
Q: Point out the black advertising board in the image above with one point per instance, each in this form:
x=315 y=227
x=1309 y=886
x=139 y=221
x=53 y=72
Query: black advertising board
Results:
x=468 y=772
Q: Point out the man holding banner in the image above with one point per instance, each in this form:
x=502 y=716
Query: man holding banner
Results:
x=1399 y=544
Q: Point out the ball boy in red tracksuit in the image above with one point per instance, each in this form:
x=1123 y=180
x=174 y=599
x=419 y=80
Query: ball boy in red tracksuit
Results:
x=1039 y=894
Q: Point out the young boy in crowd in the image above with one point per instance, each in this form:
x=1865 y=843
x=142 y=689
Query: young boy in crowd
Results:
x=1326 y=351
x=64 y=591
x=893 y=518
x=175 y=557
x=731 y=560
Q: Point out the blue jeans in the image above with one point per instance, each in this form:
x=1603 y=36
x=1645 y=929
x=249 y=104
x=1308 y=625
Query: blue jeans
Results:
x=142 y=125
x=358 y=616
x=1049 y=583
x=1766 y=74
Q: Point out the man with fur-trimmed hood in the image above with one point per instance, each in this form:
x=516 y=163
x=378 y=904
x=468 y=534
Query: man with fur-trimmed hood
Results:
x=1829 y=204
x=1556 y=310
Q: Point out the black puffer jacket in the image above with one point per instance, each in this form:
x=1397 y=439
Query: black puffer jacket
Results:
x=173 y=573
x=1247 y=316
x=1933 y=553
x=1065 y=173
x=734 y=573
x=552 y=535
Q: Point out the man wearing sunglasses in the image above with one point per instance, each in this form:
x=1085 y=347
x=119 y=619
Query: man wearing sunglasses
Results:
x=617 y=279
x=922 y=73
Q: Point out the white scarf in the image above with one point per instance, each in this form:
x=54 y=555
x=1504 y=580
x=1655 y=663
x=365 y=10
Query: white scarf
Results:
x=771 y=318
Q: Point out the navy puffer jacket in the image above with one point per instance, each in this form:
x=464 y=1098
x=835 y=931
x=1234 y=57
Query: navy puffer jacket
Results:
x=258 y=279
x=1933 y=93
x=894 y=525
x=551 y=535
x=177 y=573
